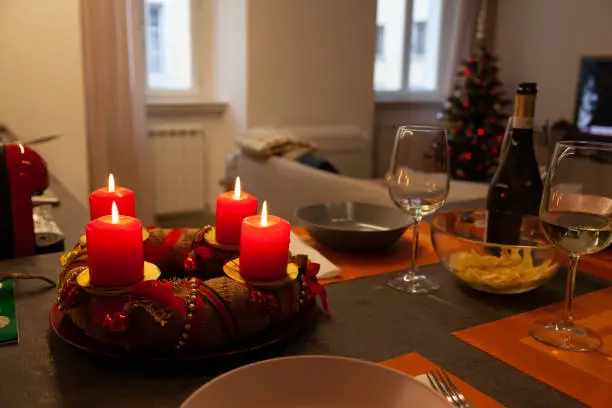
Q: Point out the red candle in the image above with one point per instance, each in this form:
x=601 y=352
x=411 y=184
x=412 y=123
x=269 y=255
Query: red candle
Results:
x=264 y=247
x=232 y=208
x=100 y=201
x=115 y=250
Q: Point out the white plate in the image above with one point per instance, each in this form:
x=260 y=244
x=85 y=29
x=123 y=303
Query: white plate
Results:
x=314 y=382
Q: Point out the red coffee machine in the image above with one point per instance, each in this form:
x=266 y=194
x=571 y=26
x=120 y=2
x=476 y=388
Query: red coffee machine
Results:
x=23 y=173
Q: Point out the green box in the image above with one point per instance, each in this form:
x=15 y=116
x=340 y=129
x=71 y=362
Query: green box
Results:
x=9 y=333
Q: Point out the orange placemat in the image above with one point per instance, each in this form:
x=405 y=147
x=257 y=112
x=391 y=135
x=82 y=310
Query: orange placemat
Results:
x=353 y=266
x=585 y=376
x=599 y=264
x=414 y=364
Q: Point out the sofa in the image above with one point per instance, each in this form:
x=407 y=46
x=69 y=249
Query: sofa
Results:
x=288 y=185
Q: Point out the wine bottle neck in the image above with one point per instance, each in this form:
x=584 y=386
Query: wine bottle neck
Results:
x=524 y=111
x=522 y=141
x=522 y=136
x=522 y=122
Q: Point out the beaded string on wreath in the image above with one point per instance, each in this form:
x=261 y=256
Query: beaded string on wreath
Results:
x=190 y=306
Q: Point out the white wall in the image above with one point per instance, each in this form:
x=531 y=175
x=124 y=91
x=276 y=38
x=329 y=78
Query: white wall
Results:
x=41 y=83
x=230 y=85
x=288 y=63
x=302 y=64
x=543 y=40
x=311 y=63
x=285 y=63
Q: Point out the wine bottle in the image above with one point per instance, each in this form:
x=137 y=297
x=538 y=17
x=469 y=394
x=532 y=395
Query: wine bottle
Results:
x=516 y=187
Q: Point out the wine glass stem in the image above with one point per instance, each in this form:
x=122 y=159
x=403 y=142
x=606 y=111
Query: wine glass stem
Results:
x=570 y=286
x=415 y=249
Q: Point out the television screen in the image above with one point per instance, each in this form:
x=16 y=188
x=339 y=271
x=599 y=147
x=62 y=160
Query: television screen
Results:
x=594 y=101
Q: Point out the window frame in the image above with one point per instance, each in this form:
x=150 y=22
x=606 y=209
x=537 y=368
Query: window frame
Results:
x=201 y=19
x=448 y=45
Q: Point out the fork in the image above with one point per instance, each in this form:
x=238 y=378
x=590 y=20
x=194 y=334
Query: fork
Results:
x=441 y=382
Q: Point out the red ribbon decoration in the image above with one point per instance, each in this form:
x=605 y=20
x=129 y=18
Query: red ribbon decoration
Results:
x=160 y=291
x=265 y=300
x=156 y=255
x=203 y=257
x=313 y=287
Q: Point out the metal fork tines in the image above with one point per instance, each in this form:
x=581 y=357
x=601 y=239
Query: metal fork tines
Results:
x=441 y=382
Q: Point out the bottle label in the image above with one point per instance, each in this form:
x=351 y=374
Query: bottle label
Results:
x=522 y=122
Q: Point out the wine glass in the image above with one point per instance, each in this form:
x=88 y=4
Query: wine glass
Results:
x=576 y=216
x=418 y=183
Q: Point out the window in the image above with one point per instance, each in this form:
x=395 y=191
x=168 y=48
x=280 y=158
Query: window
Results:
x=154 y=49
x=415 y=45
x=169 y=46
x=380 y=41
x=417 y=39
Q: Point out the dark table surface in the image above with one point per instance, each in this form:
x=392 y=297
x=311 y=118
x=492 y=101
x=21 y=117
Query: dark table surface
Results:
x=370 y=321
x=71 y=216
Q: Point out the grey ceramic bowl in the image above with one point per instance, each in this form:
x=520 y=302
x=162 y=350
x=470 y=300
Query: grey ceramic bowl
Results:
x=354 y=226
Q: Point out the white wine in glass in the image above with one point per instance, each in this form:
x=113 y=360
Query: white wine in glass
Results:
x=418 y=182
x=577 y=232
x=576 y=216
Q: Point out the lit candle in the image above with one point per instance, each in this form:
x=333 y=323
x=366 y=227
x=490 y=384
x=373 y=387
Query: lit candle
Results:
x=264 y=247
x=100 y=201
x=232 y=208
x=115 y=250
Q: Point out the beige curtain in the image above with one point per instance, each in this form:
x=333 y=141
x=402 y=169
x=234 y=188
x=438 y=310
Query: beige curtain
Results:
x=468 y=24
x=114 y=76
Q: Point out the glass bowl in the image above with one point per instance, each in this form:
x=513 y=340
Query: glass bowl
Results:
x=459 y=240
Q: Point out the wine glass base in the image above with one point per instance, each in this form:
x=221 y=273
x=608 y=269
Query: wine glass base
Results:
x=413 y=284
x=565 y=335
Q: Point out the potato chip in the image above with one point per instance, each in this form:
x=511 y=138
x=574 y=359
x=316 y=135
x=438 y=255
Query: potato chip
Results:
x=513 y=269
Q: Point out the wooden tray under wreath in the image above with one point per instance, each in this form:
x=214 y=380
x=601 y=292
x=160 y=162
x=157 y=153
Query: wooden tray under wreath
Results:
x=66 y=330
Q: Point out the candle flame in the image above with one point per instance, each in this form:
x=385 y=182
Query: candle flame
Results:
x=21 y=148
x=264 y=214
x=237 y=189
x=111 y=182
x=115 y=214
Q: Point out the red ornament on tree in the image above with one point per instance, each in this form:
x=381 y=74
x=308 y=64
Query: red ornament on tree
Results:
x=475 y=116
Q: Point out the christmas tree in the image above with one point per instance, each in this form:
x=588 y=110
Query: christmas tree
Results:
x=475 y=114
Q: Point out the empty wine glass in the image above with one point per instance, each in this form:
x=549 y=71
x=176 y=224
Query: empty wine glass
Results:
x=576 y=216
x=418 y=183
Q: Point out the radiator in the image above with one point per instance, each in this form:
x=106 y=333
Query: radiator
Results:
x=179 y=157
